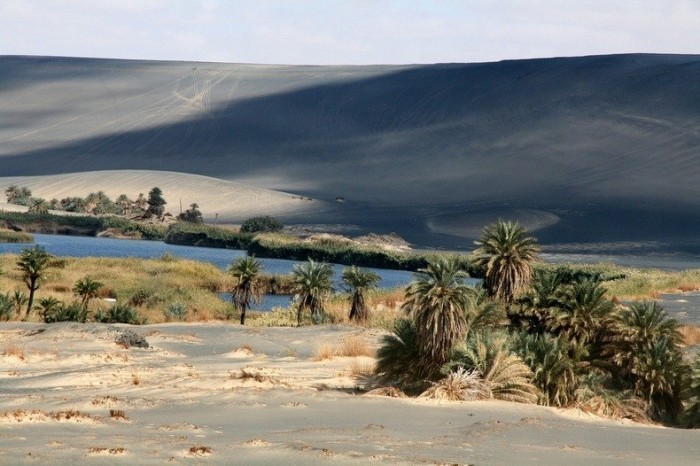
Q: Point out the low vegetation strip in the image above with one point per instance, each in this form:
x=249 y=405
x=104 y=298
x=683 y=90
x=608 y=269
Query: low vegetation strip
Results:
x=79 y=225
x=284 y=247
x=10 y=236
x=191 y=234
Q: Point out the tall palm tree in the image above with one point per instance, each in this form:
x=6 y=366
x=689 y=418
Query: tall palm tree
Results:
x=32 y=264
x=506 y=254
x=312 y=283
x=246 y=271
x=87 y=289
x=359 y=282
x=646 y=348
x=438 y=300
x=584 y=312
x=555 y=371
x=537 y=306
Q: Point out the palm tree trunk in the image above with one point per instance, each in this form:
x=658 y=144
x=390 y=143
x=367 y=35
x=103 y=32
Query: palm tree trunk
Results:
x=242 y=315
x=30 y=302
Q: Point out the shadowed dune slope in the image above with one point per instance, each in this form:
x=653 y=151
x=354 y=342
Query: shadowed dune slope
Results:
x=588 y=149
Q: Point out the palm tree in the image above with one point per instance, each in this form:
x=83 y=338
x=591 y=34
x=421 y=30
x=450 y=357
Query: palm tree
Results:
x=555 y=371
x=505 y=253
x=87 y=289
x=5 y=306
x=438 y=300
x=358 y=283
x=312 y=283
x=124 y=204
x=33 y=264
x=646 y=347
x=38 y=206
x=691 y=415
x=484 y=312
x=398 y=358
x=48 y=307
x=537 y=306
x=584 y=313
x=246 y=271
x=19 y=299
x=505 y=374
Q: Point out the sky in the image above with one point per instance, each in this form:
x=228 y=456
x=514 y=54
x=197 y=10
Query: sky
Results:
x=356 y=32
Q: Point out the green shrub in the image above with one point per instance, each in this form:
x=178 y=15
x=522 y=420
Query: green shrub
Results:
x=262 y=224
x=10 y=236
x=192 y=234
x=176 y=312
x=63 y=312
x=80 y=224
x=145 y=297
x=285 y=247
x=7 y=306
x=119 y=314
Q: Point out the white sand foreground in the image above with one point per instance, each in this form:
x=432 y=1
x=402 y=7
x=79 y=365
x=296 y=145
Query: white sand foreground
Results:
x=218 y=393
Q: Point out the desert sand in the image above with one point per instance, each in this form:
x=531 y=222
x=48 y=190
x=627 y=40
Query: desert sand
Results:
x=582 y=150
x=218 y=393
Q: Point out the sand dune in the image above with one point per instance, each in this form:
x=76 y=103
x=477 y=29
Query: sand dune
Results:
x=230 y=200
x=223 y=394
x=607 y=144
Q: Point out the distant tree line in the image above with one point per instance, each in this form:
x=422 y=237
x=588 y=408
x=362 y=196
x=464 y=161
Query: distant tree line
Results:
x=98 y=203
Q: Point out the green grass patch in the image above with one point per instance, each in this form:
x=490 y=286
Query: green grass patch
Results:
x=10 y=236
x=277 y=246
x=80 y=225
x=191 y=234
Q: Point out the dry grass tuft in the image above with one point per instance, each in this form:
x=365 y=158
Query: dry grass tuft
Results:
x=35 y=415
x=351 y=346
x=356 y=345
x=107 y=451
x=613 y=408
x=362 y=369
x=105 y=400
x=690 y=335
x=12 y=349
x=325 y=351
x=199 y=450
x=245 y=348
x=248 y=373
x=459 y=386
x=391 y=392
x=118 y=414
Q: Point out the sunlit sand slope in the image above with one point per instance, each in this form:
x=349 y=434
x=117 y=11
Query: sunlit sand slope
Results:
x=231 y=201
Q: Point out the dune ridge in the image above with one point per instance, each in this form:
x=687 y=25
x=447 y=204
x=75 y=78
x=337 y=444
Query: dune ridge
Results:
x=608 y=144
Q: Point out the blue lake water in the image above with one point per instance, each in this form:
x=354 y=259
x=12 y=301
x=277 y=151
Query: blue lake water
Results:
x=83 y=246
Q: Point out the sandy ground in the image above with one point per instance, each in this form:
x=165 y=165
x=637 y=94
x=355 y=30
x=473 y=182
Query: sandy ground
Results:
x=222 y=394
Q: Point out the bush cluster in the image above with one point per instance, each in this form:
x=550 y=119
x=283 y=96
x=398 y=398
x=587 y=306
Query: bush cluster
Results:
x=192 y=234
